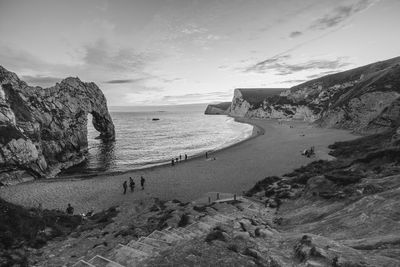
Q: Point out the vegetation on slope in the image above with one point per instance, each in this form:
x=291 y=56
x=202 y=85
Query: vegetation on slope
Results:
x=24 y=228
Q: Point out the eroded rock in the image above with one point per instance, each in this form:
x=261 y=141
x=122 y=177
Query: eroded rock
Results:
x=44 y=130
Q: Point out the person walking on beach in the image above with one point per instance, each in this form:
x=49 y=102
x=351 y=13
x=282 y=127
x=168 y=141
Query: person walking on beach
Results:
x=70 y=209
x=206 y=155
x=131 y=184
x=142 y=180
x=172 y=162
x=125 y=186
x=185 y=157
x=180 y=157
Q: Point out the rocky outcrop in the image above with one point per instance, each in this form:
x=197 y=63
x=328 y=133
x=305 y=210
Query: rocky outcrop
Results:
x=247 y=102
x=365 y=99
x=218 y=109
x=44 y=130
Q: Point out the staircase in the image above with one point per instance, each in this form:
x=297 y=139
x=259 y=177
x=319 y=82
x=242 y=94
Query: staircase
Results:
x=158 y=242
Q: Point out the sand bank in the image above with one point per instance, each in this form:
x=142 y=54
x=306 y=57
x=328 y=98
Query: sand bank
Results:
x=275 y=151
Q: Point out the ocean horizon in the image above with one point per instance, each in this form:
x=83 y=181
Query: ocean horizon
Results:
x=148 y=136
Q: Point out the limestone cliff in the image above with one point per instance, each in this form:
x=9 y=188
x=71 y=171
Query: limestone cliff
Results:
x=365 y=99
x=44 y=130
x=218 y=109
x=248 y=101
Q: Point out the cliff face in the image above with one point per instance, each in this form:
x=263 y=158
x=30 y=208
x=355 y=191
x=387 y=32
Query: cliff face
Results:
x=218 y=109
x=365 y=99
x=249 y=102
x=44 y=130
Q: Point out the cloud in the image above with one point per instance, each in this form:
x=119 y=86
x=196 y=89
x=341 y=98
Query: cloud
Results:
x=336 y=16
x=262 y=65
x=320 y=74
x=40 y=80
x=193 y=29
x=340 y=14
x=126 y=81
x=16 y=59
x=144 y=89
x=295 y=34
x=101 y=54
x=197 y=97
x=170 y=80
x=279 y=65
x=293 y=81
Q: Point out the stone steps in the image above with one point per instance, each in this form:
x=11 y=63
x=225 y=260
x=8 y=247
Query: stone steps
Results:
x=185 y=231
x=100 y=261
x=155 y=243
x=83 y=263
x=127 y=256
x=181 y=234
x=175 y=234
x=164 y=241
x=143 y=247
x=163 y=236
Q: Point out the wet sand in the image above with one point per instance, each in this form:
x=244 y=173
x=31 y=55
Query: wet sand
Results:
x=275 y=150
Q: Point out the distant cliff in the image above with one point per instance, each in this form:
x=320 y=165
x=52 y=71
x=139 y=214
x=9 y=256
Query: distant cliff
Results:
x=218 y=109
x=365 y=99
x=248 y=101
x=44 y=130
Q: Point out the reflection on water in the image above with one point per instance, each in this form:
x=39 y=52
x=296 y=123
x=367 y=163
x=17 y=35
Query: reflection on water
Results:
x=103 y=154
x=100 y=157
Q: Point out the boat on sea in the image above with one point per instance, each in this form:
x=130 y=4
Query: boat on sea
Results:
x=155 y=119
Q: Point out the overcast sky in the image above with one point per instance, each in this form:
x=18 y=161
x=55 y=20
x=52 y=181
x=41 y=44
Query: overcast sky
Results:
x=151 y=52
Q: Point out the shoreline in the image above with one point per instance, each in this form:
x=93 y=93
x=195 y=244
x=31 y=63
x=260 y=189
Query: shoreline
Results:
x=257 y=130
x=272 y=150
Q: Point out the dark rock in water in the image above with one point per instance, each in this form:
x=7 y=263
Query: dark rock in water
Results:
x=44 y=130
x=155 y=119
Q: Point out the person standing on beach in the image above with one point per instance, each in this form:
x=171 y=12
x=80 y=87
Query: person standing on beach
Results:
x=131 y=184
x=180 y=157
x=206 y=155
x=142 y=180
x=125 y=186
x=172 y=162
x=70 y=209
x=185 y=157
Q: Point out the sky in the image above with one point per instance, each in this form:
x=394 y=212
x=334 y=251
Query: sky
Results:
x=167 y=52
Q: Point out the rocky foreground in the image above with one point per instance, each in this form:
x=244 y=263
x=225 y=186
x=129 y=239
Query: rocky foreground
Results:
x=44 y=130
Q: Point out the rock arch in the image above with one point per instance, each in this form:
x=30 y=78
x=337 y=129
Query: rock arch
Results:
x=47 y=127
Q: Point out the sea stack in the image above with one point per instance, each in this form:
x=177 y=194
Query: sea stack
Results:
x=44 y=130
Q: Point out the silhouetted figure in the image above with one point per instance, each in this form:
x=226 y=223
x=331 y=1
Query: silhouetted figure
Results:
x=185 y=157
x=131 y=184
x=142 y=180
x=180 y=157
x=89 y=213
x=125 y=186
x=206 y=155
x=176 y=160
x=70 y=209
x=172 y=162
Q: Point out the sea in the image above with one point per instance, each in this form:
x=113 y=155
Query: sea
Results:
x=150 y=136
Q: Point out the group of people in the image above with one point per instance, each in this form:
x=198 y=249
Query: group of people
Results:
x=178 y=159
x=308 y=152
x=132 y=184
x=70 y=211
